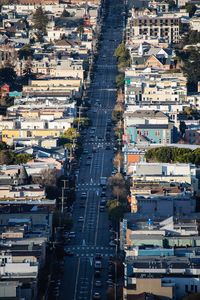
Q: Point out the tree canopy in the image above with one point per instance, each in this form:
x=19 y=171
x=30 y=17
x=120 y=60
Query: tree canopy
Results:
x=65 y=14
x=192 y=68
x=8 y=157
x=115 y=211
x=8 y=75
x=173 y=154
x=40 y=20
x=25 y=52
x=190 y=8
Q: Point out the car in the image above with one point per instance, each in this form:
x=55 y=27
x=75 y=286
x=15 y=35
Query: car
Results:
x=101 y=208
x=88 y=163
x=69 y=253
x=72 y=234
x=82 y=205
x=109 y=280
x=98 y=283
x=85 y=152
x=80 y=219
x=83 y=195
x=96 y=296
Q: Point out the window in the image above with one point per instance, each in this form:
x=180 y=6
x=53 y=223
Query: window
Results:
x=157 y=133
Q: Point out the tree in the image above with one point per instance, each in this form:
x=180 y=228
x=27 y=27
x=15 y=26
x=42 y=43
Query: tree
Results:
x=47 y=178
x=65 y=14
x=40 y=20
x=118 y=161
x=115 y=211
x=182 y=127
x=6 y=157
x=3 y=146
x=120 y=80
x=120 y=51
x=25 y=52
x=171 y=3
x=116 y=180
x=60 y=219
x=190 y=8
x=120 y=193
x=8 y=75
x=22 y=158
x=80 y=30
x=117 y=113
x=192 y=69
x=173 y=154
x=82 y=122
x=71 y=134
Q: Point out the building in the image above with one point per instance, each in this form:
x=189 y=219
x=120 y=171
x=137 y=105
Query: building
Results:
x=167 y=278
x=162 y=256
x=152 y=24
x=148 y=126
x=38 y=2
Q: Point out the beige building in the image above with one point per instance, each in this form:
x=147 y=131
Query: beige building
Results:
x=8 y=135
x=155 y=286
x=146 y=23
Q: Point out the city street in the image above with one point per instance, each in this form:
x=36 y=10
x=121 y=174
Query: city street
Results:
x=91 y=225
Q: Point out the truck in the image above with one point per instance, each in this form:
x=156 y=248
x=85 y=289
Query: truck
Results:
x=103 y=181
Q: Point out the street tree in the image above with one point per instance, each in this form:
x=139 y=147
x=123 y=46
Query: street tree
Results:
x=120 y=80
x=118 y=161
x=116 y=180
x=115 y=211
x=71 y=134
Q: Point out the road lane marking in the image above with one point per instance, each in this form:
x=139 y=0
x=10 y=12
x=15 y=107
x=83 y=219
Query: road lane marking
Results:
x=76 y=282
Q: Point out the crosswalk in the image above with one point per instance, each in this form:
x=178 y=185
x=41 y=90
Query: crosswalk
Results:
x=90 y=251
x=102 y=143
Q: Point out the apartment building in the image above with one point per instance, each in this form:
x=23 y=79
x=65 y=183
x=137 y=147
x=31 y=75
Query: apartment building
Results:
x=168 y=172
x=167 y=278
x=160 y=256
x=150 y=23
x=148 y=126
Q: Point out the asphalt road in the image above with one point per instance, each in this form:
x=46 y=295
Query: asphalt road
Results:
x=92 y=232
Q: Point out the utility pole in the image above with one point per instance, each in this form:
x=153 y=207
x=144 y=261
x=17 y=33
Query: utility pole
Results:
x=63 y=195
x=79 y=115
